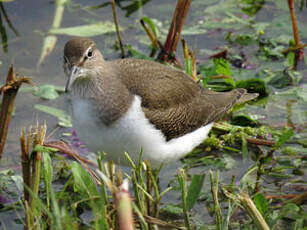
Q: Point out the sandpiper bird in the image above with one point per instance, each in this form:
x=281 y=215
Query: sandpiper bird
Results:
x=132 y=105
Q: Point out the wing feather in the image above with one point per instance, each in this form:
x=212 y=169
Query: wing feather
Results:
x=171 y=100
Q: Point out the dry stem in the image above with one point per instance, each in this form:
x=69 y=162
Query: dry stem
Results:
x=9 y=91
x=170 y=46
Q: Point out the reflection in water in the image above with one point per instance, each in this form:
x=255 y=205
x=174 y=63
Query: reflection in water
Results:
x=2 y=28
x=130 y=8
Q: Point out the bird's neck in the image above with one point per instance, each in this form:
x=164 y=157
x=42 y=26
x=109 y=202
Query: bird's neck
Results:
x=103 y=88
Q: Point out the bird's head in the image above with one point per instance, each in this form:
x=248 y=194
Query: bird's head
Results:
x=81 y=58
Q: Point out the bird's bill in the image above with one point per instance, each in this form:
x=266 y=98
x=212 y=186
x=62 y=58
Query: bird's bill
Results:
x=73 y=74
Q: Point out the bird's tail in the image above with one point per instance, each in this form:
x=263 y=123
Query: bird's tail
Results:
x=245 y=96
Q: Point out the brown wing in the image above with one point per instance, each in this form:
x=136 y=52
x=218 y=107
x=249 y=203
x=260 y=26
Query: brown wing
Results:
x=171 y=100
x=186 y=117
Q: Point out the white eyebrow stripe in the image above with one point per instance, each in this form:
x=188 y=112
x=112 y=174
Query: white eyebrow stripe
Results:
x=85 y=54
x=89 y=48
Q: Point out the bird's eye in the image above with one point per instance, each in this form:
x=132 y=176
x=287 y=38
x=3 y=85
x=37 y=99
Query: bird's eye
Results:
x=89 y=53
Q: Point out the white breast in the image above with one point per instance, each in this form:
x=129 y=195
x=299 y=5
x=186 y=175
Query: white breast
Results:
x=131 y=133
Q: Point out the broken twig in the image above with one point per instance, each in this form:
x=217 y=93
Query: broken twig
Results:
x=9 y=91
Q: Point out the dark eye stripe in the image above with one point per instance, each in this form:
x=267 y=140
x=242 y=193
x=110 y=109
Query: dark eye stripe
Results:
x=65 y=59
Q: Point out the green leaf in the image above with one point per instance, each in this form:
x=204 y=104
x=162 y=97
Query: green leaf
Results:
x=253 y=85
x=194 y=190
x=273 y=53
x=188 y=66
x=290 y=59
x=222 y=67
x=288 y=210
x=252 y=7
x=50 y=110
x=41 y=148
x=208 y=69
x=295 y=76
x=302 y=92
x=172 y=210
x=261 y=204
x=243 y=39
x=64 y=118
x=283 y=138
x=90 y=30
x=18 y=180
x=83 y=183
x=48 y=92
x=243 y=120
x=219 y=86
x=48 y=173
x=260 y=27
x=194 y=30
x=151 y=25
x=48 y=45
x=217 y=67
x=244 y=148
x=228 y=161
x=137 y=54
x=50 y=40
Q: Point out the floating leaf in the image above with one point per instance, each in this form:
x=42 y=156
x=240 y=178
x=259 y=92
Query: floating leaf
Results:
x=48 y=45
x=50 y=40
x=193 y=30
x=48 y=92
x=229 y=161
x=133 y=7
x=253 y=85
x=252 y=7
x=242 y=39
x=172 y=210
x=18 y=180
x=219 y=70
x=64 y=119
x=90 y=30
x=290 y=209
x=243 y=120
x=302 y=92
x=283 y=138
x=274 y=53
x=299 y=93
x=280 y=81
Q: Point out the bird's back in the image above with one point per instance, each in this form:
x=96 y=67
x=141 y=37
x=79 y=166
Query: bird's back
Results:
x=171 y=100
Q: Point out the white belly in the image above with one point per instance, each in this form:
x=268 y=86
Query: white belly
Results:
x=132 y=133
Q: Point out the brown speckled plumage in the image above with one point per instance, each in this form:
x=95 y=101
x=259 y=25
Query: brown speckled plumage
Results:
x=171 y=100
